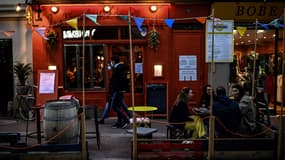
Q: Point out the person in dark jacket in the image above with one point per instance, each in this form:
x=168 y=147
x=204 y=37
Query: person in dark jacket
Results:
x=227 y=113
x=119 y=85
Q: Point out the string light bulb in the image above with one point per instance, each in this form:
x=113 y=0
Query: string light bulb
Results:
x=107 y=9
x=18 y=8
x=153 y=8
x=54 y=9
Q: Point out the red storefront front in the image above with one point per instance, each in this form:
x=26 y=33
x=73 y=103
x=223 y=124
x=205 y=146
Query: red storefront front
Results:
x=107 y=33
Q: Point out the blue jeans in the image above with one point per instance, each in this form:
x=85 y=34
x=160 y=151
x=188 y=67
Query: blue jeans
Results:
x=117 y=102
x=108 y=107
x=106 y=110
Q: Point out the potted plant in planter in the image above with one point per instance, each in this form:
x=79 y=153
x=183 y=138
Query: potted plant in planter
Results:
x=52 y=37
x=22 y=71
x=153 y=39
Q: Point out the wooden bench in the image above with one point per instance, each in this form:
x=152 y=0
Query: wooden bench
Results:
x=166 y=149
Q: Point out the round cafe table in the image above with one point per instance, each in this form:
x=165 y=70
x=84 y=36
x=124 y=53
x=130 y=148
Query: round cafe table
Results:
x=142 y=108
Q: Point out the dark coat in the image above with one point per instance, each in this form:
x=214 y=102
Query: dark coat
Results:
x=179 y=114
x=227 y=111
x=119 y=81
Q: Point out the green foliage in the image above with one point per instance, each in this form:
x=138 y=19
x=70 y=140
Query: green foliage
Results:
x=52 y=37
x=153 y=39
x=22 y=71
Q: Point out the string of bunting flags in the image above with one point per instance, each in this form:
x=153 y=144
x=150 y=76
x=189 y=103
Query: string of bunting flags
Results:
x=138 y=21
x=8 y=34
x=277 y=23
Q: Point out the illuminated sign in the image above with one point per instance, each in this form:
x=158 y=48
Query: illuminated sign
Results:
x=78 y=34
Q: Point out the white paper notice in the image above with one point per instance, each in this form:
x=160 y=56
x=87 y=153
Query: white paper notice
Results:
x=138 y=68
x=187 y=68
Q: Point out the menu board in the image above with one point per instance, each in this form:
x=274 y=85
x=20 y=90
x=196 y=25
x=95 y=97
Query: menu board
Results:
x=223 y=41
x=47 y=82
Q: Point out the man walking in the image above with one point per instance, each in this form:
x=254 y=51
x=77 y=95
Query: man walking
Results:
x=119 y=85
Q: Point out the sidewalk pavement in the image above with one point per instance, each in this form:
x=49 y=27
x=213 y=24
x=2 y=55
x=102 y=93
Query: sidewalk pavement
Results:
x=115 y=143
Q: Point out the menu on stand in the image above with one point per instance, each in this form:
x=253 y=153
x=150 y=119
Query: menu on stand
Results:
x=47 y=81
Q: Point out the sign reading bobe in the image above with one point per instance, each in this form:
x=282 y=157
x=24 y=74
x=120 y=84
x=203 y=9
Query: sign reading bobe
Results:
x=248 y=11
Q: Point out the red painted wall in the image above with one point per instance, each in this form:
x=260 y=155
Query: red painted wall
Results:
x=173 y=44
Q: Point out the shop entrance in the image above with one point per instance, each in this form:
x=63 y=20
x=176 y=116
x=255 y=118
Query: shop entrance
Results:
x=6 y=61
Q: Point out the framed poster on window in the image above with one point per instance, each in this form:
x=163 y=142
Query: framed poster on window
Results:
x=223 y=41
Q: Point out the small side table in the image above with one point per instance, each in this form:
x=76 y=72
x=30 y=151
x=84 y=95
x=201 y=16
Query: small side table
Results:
x=38 y=119
x=96 y=132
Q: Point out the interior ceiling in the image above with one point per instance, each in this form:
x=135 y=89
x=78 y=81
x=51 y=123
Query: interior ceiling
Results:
x=262 y=37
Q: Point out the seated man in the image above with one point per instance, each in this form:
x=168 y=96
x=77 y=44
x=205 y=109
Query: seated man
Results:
x=227 y=113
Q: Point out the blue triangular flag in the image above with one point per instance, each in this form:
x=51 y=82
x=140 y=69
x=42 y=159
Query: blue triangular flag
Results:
x=275 y=23
x=169 y=22
x=92 y=17
x=139 y=22
x=281 y=25
x=265 y=26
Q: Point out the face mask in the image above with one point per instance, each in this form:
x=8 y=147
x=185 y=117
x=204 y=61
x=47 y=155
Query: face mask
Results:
x=109 y=67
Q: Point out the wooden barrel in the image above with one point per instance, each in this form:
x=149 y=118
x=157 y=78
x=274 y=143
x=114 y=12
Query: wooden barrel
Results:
x=61 y=122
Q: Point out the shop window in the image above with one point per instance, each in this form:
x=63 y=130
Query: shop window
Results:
x=245 y=44
x=123 y=51
x=94 y=67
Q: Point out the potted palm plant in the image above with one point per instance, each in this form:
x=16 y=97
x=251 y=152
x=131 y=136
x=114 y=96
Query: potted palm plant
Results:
x=23 y=72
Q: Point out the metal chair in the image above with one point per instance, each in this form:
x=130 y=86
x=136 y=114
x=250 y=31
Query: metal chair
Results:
x=263 y=113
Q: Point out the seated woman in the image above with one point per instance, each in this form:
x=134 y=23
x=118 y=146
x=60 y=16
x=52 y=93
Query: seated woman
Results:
x=180 y=116
x=206 y=96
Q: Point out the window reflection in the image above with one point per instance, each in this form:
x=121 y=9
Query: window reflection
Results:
x=123 y=51
x=94 y=66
